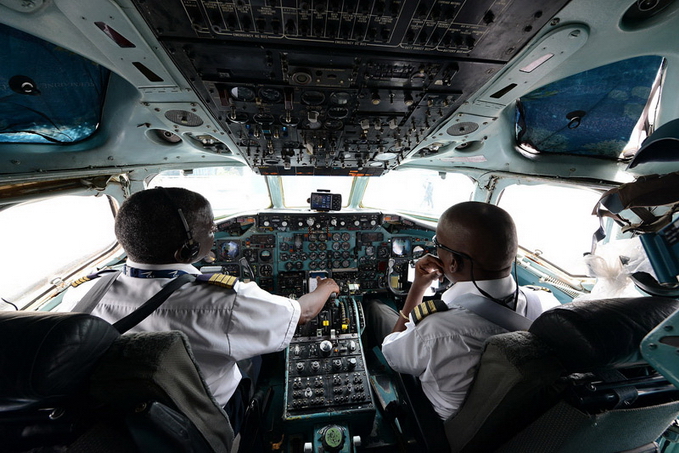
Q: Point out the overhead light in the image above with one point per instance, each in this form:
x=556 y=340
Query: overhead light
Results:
x=536 y=63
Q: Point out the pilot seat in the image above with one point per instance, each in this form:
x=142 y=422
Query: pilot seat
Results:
x=575 y=382
x=69 y=382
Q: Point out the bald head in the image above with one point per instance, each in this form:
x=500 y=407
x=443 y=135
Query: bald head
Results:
x=483 y=231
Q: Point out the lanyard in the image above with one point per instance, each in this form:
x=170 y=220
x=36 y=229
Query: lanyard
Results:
x=156 y=273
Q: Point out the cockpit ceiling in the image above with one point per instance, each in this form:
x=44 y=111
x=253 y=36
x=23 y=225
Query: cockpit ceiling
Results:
x=338 y=87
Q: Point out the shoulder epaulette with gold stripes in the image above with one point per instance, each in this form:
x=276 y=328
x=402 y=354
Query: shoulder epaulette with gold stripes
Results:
x=427 y=308
x=90 y=277
x=223 y=280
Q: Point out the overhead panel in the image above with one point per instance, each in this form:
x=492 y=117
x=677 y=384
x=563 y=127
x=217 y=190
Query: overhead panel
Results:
x=339 y=86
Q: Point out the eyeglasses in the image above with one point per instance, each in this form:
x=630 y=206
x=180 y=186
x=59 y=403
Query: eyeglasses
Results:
x=448 y=249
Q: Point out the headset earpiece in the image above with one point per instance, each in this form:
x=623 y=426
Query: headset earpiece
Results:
x=190 y=248
x=189 y=251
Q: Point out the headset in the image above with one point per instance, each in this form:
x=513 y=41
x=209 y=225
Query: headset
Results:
x=190 y=249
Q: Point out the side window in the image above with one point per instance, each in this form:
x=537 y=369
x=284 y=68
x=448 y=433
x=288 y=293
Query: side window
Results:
x=49 y=239
x=556 y=220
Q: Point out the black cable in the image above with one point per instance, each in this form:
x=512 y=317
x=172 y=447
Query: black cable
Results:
x=10 y=303
x=484 y=293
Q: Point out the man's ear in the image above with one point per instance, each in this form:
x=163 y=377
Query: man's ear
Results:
x=456 y=264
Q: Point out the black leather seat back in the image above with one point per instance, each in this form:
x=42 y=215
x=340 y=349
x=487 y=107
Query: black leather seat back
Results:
x=70 y=380
x=521 y=398
x=46 y=360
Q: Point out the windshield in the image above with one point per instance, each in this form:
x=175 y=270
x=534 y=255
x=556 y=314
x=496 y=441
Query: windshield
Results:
x=228 y=189
x=297 y=189
x=420 y=192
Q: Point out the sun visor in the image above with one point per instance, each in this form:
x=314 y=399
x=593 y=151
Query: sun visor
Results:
x=661 y=146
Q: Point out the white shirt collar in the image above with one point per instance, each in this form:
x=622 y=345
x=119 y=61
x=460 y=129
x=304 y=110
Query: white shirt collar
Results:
x=188 y=268
x=499 y=288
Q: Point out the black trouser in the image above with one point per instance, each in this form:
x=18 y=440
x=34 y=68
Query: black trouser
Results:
x=240 y=399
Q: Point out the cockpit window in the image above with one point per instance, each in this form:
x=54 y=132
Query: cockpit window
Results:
x=554 y=221
x=297 y=189
x=72 y=230
x=228 y=189
x=604 y=112
x=47 y=94
x=419 y=192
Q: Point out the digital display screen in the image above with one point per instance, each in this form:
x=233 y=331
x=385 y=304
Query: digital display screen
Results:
x=229 y=250
x=400 y=247
x=321 y=201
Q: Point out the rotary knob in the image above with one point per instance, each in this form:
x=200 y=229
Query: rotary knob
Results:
x=332 y=438
x=325 y=347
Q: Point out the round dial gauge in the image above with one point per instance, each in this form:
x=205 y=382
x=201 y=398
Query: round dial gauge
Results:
x=265 y=270
x=263 y=118
x=338 y=113
x=243 y=94
x=270 y=95
x=340 y=97
x=313 y=97
x=265 y=255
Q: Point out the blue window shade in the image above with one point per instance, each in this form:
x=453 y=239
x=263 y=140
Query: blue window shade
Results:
x=592 y=113
x=47 y=94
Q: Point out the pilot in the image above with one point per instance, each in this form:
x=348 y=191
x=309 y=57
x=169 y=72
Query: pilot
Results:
x=440 y=341
x=163 y=231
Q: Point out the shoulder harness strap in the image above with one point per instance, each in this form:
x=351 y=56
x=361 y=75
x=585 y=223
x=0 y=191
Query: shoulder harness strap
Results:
x=498 y=314
x=223 y=280
x=96 y=293
x=427 y=308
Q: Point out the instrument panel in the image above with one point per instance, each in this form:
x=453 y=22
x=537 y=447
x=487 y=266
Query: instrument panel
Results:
x=326 y=369
x=283 y=252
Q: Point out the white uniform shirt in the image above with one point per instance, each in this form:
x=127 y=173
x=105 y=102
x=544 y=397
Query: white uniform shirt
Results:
x=444 y=349
x=223 y=326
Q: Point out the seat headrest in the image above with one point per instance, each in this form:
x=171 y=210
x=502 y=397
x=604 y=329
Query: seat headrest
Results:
x=46 y=356
x=592 y=334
